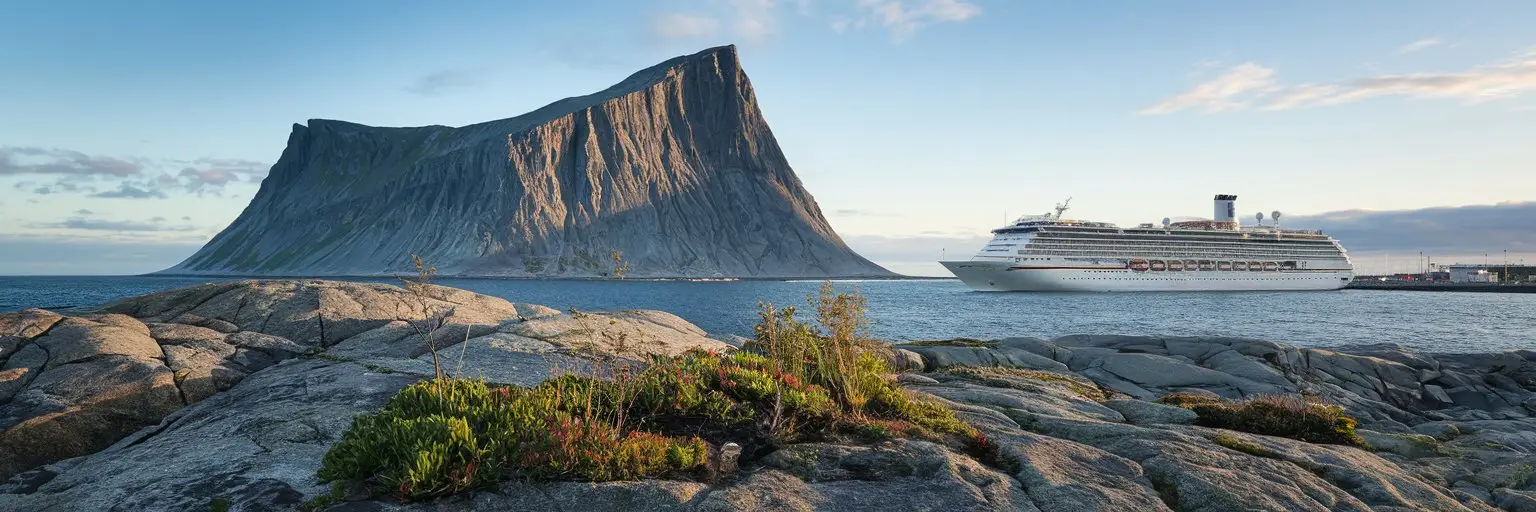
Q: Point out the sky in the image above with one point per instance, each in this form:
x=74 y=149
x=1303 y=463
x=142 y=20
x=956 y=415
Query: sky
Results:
x=130 y=133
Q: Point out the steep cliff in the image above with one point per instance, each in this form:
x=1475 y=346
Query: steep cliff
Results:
x=674 y=168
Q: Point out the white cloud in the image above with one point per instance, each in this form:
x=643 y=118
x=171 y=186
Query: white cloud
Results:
x=683 y=26
x=1250 y=85
x=756 y=20
x=903 y=21
x=1421 y=44
x=1229 y=91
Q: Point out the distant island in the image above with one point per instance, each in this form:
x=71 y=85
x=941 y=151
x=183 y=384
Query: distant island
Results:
x=672 y=172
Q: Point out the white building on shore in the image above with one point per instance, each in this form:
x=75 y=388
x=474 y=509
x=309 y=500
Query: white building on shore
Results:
x=1473 y=274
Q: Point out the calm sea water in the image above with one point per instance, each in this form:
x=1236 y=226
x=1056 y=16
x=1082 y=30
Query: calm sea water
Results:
x=928 y=309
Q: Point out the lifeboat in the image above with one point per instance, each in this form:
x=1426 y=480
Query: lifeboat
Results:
x=1207 y=265
x=1288 y=265
x=1256 y=266
x=1158 y=265
x=1191 y=265
x=1239 y=266
x=1139 y=265
x=1175 y=266
x=1270 y=266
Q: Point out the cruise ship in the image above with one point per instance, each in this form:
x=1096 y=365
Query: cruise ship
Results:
x=1052 y=253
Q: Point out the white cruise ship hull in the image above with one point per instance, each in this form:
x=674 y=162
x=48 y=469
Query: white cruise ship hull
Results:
x=1008 y=276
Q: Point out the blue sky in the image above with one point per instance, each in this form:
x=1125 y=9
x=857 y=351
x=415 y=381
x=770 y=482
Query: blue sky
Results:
x=129 y=134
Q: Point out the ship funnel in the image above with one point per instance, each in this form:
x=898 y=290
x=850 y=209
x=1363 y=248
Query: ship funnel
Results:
x=1226 y=209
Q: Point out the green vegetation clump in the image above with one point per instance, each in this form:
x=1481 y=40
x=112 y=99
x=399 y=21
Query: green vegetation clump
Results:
x=793 y=383
x=1288 y=416
x=998 y=374
x=954 y=342
x=1186 y=400
x=1236 y=443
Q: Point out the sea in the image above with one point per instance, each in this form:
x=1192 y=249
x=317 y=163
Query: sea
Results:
x=908 y=310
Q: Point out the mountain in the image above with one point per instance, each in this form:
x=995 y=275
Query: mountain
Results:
x=673 y=168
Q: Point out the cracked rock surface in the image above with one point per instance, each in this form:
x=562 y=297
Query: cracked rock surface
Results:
x=74 y=385
x=241 y=404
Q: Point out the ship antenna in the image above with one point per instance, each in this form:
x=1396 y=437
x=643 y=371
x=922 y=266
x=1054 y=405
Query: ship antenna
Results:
x=1062 y=207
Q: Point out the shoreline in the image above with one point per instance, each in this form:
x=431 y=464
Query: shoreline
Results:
x=1443 y=287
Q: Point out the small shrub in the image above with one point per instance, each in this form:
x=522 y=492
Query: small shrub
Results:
x=1236 y=443
x=219 y=504
x=1276 y=415
x=794 y=383
x=1186 y=400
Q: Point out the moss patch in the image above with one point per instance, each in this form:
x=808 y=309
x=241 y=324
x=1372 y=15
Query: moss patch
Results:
x=995 y=375
x=1287 y=416
x=1237 y=443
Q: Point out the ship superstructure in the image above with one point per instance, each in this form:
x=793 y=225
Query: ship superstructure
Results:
x=1051 y=253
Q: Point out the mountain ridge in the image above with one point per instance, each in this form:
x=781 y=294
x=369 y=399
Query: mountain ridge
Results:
x=673 y=167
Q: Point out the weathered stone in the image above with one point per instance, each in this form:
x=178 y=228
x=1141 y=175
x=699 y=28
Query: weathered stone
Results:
x=1514 y=500
x=178 y=334
x=1412 y=446
x=20 y=369
x=913 y=378
x=632 y=333
x=1142 y=412
x=77 y=339
x=27 y=323
x=936 y=357
x=904 y=475
x=77 y=409
x=9 y=345
x=210 y=323
x=257 y=445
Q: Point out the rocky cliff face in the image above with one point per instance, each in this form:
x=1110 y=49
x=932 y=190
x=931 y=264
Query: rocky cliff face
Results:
x=674 y=167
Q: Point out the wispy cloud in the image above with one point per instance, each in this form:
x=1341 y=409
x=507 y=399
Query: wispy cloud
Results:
x=756 y=21
x=1252 y=86
x=670 y=26
x=1422 y=44
x=1463 y=229
x=34 y=160
x=434 y=84
x=904 y=20
x=84 y=211
x=1231 y=90
x=129 y=191
x=156 y=224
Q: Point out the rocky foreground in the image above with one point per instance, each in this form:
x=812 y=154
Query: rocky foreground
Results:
x=231 y=393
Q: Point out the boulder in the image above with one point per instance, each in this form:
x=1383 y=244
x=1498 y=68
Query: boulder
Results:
x=936 y=357
x=78 y=339
x=317 y=313
x=27 y=323
x=79 y=408
x=1142 y=412
x=257 y=445
x=630 y=333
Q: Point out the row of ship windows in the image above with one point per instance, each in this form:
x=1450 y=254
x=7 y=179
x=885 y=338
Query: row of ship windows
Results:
x=1184 y=254
x=1260 y=277
x=1121 y=241
x=1178 y=248
x=1182 y=247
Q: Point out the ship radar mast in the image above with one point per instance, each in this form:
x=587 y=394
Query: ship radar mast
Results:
x=1062 y=207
